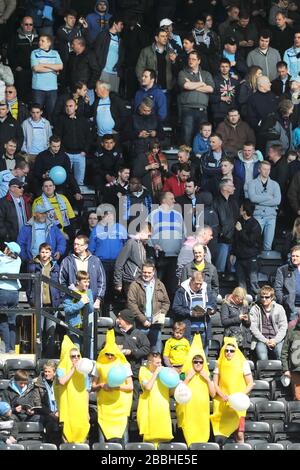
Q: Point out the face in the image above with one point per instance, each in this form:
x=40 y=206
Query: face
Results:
x=229 y=188
x=22 y=171
x=198 y=255
x=178 y=334
x=55 y=147
x=273 y=155
x=230 y=48
x=264 y=43
x=108 y=218
x=182 y=157
x=83 y=284
x=148 y=273
x=108 y=144
x=147 y=81
x=187 y=45
x=27 y=24
x=296 y=258
x=197 y=364
x=10 y=93
x=44 y=43
x=229 y=352
x=183 y=175
x=265 y=171
x=101 y=7
x=189 y=188
x=135 y=185
x=244 y=22
x=209 y=22
x=291 y=158
x=10 y=148
x=224 y=68
x=162 y=38
x=199 y=24
x=3 y=111
x=77 y=47
x=48 y=188
x=248 y=152
x=36 y=114
x=40 y=218
x=124 y=175
x=110 y=357
x=82 y=91
x=226 y=167
x=280 y=20
x=195 y=285
x=80 y=247
x=71 y=108
x=206 y=131
x=21 y=383
x=17 y=191
x=234 y=14
x=119 y=26
x=282 y=72
x=154 y=363
x=70 y=21
x=144 y=235
x=234 y=117
x=207 y=236
x=122 y=323
x=193 y=61
x=145 y=110
x=215 y=143
x=266 y=298
x=49 y=373
x=75 y=357
x=297 y=40
x=93 y=220
x=169 y=199
x=45 y=255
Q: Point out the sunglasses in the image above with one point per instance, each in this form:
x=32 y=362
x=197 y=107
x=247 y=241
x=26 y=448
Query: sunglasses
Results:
x=265 y=296
x=28 y=24
x=109 y=355
x=231 y=351
x=75 y=355
x=17 y=186
x=9 y=92
x=197 y=362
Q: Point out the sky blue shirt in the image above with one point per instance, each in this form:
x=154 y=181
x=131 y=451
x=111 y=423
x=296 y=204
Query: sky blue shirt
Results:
x=113 y=54
x=149 y=288
x=44 y=81
x=39 y=137
x=39 y=238
x=105 y=121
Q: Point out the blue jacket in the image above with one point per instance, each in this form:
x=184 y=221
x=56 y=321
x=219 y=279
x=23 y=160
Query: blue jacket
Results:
x=157 y=95
x=35 y=9
x=239 y=165
x=73 y=307
x=97 y=22
x=106 y=242
x=200 y=145
x=54 y=238
x=36 y=268
x=266 y=201
x=68 y=271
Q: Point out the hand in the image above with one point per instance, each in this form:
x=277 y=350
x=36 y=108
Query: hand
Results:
x=157 y=248
x=238 y=226
x=224 y=397
x=87 y=99
x=147 y=324
x=153 y=166
x=57 y=255
x=45 y=175
x=272 y=343
x=243 y=316
x=205 y=375
x=30 y=412
x=126 y=352
x=157 y=370
x=250 y=43
x=227 y=99
x=78 y=196
x=85 y=299
x=232 y=259
x=97 y=303
x=118 y=288
x=19 y=69
x=189 y=375
x=233 y=63
x=144 y=134
x=287 y=373
x=83 y=154
x=153 y=133
x=243 y=43
x=18 y=409
x=110 y=179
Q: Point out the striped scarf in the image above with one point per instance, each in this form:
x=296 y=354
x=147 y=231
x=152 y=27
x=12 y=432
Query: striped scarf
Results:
x=51 y=211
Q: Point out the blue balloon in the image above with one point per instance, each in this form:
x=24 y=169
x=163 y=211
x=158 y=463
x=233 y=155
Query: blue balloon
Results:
x=116 y=375
x=169 y=377
x=58 y=174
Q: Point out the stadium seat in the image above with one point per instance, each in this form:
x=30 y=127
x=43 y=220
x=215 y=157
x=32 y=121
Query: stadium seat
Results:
x=237 y=446
x=267 y=446
x=262 y=388
x=1 y=370
x=204 y=446
x=293 y=432
x=213 y=348
x=269 y=261
x=293 y=446
x=139 y=446
x=43 y=446
x=30 y=430
x=268 y=369
x=293 y=411
x=12 y=365
x=216 y=324
x=271 y=411
x=251 y=412
x=212 y=365
x=257 y=430
x=172 y=446
x=13 y=447
x=3 y=386
x=107 y=446
x=66 y=446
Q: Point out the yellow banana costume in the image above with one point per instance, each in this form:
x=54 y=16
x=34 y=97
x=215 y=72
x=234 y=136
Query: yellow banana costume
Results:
x=193 y=417
x=113 y=406
x=72 y=398
x=225 y=420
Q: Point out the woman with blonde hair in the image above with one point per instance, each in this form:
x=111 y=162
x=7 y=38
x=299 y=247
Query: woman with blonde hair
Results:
x=235 y=317
x=292 y=239
x=248 y=86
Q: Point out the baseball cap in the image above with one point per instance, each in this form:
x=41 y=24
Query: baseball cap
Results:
x=17 y=182
x=13 y=247
x=230 y=40
x=40 y=209
x=165 y=22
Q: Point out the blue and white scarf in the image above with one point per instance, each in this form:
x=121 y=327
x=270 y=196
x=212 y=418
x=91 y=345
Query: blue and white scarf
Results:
x=51 y=211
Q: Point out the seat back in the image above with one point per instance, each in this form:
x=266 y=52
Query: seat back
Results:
x=271 y=446
x=139 y=446
x=237 y=446
x=172 y=446
x=293 y=411
x=12 y=365
x=268 y=369
x=107 y=446
x=271 y=410
x=204 y=446
x=43 y=446
x=66 y=446
x=30 y=430
x=257 y=430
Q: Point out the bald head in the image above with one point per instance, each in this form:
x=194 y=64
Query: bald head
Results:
x=263 y=84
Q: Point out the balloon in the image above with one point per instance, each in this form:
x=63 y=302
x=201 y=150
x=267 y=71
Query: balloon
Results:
x=239 y=401
x=182 y=393
x=116 y=375
x=58 y=174
x=168 y=377
x=85 y=366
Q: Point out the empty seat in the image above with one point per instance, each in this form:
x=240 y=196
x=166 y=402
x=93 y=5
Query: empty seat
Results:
x=216 y=324
x=42 y=446
x=3 y=386
x=13 y=447
x=1 y=369
x=30 y=430
x=237 y=446
x=172 y=446
x=107 y=446
x=261 y=388
x=293 y=432
x=268 y=369
x=279 y=432
x=66 y=446
x=213 y=348
x=139 y=446
x=212 y=365
x=12 y=365
x=271 y=411
x=293 y=446
x=257 y=430
x=268 y=446
x=251 y=412
x=293 y=411
x=204 y=446
x=269 y=261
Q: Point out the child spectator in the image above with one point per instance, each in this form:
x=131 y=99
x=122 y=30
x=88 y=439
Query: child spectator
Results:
x=177 y=347
x=201 y=143
x=8 y=427
x=19 y=395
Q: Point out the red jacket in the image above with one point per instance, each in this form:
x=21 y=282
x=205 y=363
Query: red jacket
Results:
x=174 y=185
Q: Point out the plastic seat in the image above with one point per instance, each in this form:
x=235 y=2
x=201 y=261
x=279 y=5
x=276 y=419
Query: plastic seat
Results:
x=2 y=372
x=268 y=369
x=172 y=446
x=107 y=446
x=43 y=446
x=293 y=411
x=237 y=446
x=257 y=430
x=12 y=365
x=139 y=446
x=66 y=446
x=213 y=348
x=30 y=430
x=293 y=446
x=204 y=446
x=269 y=446
x=261 y=388
x=3 y=386
x=13 y=447
x=271 y=411
x=212 y=365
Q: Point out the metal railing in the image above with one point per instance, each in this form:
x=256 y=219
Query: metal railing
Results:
x=39 y=311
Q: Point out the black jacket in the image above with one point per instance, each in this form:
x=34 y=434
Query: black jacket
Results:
x=228 y=213
x=83 y=67
x=277 y=88
x=282 y=40
x=14 y=399
x=259 y=106
x=9 y=228
x=20 y=48
x=247 y=243
x=63 y=39
x=220 y=108
x=137 y=342
x=75 y=133
x=101 y=47
x=40 y=396
x=106 y=162
x=11 y=129
x=83 y=109
x=280 y=173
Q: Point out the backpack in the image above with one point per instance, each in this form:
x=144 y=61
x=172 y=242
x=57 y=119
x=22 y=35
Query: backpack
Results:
x=266 y=128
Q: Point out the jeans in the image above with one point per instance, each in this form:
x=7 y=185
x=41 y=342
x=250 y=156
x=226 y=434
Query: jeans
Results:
x=78 y=162
x=123 y=440
x=222 y=255
x=78 y=340
x=264 y=353
x=247 y=269
x=267 y=225
x=154 y=336
x=47 y=99
x=8 y=299
x=191 y=118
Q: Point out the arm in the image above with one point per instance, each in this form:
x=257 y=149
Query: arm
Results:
x=93 y=241
x=249 y=383
x=9 y=9
x=218 y=390
x=132 y=304
x=141 y=64
x=101 y=281
x=149 y=385
x=285 y=353
x=254 y=326
x=71 y=307
x=278 y=285
x=282 y=326
x=180 y=308
x=142 y=348
x=120 y=262
x=293 y=194
x=60 y=240
x=63 y=380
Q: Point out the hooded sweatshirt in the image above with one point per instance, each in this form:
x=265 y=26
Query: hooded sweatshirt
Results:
x=247 y=170
x=98 y=22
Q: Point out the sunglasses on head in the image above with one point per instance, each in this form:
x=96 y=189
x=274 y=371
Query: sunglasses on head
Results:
x=197 y=362
x=75 y=355
x=230 y=351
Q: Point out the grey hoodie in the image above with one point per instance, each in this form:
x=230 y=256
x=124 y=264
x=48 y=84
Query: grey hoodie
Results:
x=279 y=321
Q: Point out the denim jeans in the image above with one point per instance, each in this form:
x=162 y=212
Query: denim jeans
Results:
x=78 y=340
x=78 y=162
x=8 y=299
x=123 y=440
x=222 y=255
x=47 y=99
x=191 y=118
x=154 y=336
x=267 y=225
x=247 y=270
x=264 y=353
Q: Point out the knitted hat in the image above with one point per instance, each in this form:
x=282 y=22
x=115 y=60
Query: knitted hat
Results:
x=4 y=408
x=127 y=315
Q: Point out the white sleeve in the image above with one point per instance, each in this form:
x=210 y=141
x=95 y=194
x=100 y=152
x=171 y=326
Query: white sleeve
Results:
x=246 y=368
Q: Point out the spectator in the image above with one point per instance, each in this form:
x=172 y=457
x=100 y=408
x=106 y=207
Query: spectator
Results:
x=291 y=57
x=196 y=85
x=106 y=162
x=289 y=358
x=265 y=194
x=176 y=184
x=233 y=12
x=201 y=142
x=149 y=302
x=282 y=84
x=262 y=103
x=287 y=284
x=152 y=167
x=17 y=108
x=235 y=132
x=20 y=172
x=82 y=65
x=246 y=166
x=118 y=188
x=9 y=128
x=282 y=36
x=238 y=68
x=98 y=20
x=19 y=394
x=279 y=167
x=8 y=427
x=227 y=167
x=150 y=89
x=83 y=260
x=265 y=56
x=268 y=325
x=6 y=78
x=39 y=230
x=211 y=161
x=283 y=126
x=203 y=236
x=248 y=86
x=193 y=304
x=14 y=211
x=174 y=40
x=37 y=132
x=43 y=13
x=246 y=246
x=235 y=318
x=245 y=33
x=207 y=41
x=10 y=262
x=224 y=95
x=191 y=203
x=177 y=347
x=45 y=64
x=89 y=221
x=82 y=98
x=292 y=239
x=137 y=202
x=9 y=158
x=146 y=127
